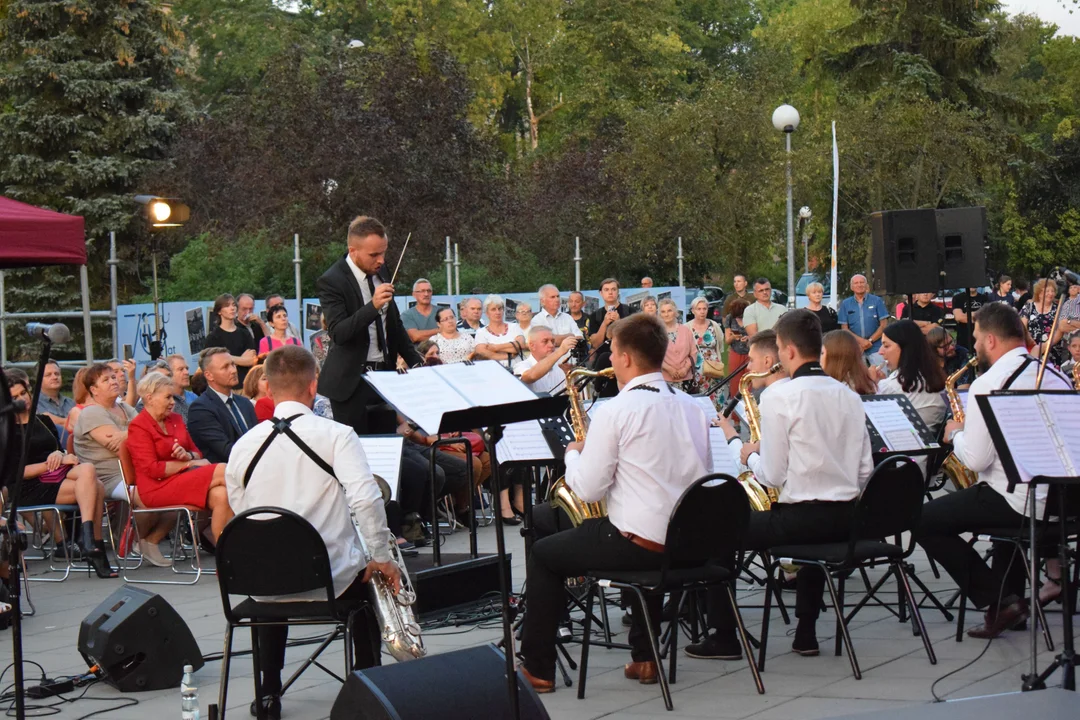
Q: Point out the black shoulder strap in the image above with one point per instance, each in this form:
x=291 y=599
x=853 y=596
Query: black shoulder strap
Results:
x=1019 y=371
x=283 y=426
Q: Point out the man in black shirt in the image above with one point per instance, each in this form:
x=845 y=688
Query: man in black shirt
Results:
x=924 y=312
x=602 y=318
x=964 y=306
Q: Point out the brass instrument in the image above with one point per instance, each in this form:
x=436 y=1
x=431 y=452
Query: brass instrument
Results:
x=960 y=475
x=397 y=621
x=761 y=498
x=559 y=494
x=1076 y=376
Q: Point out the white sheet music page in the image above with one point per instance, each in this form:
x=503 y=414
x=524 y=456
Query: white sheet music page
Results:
x=706 y=404
x=722 y=462
x=591 y=406
x=420 y=395
x=1064 y=411
x=484 y=383
x=384 y=458
x=523 y=442
x=1024 y=427
x=893 y=425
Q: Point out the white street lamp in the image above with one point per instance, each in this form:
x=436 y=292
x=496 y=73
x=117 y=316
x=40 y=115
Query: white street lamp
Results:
x=785 y=119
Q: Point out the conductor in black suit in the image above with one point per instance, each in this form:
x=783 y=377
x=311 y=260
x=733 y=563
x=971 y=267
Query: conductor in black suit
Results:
x=365 y=325
x=218 y=417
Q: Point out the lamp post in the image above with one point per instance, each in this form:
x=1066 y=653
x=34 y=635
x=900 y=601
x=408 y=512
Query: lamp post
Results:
x=786 y=118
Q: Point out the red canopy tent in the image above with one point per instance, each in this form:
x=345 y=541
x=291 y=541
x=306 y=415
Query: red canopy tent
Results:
x=32 y=236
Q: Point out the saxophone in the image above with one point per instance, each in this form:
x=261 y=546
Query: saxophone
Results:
x=559 y=494
x=761 y=498
x=960 y=475
x=397 y=622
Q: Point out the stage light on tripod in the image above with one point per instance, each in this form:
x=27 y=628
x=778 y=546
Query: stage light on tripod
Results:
x=163 y=212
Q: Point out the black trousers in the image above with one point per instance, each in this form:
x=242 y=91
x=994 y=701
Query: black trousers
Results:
x=367 y=644
x=594 y=545
x=414 y=483
x=366 y=412
x=976 y=508
x=790 y=524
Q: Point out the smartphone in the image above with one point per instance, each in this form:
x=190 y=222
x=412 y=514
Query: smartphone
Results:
x=263 y=316
x=129 y=352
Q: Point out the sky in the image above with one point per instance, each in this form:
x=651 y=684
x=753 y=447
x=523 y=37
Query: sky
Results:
x=1063 y=13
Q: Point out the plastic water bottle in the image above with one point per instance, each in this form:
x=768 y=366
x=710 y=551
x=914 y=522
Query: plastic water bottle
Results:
x=189 y=695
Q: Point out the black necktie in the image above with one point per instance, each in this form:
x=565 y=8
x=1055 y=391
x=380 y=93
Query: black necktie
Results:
x=241 y=426
x=380 y=335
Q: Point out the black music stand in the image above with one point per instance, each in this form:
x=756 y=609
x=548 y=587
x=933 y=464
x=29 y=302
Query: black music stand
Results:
x=1066 y=659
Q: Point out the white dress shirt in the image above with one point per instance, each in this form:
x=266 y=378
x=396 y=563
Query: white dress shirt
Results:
x=930 y=405
x=287 y=478
x=643 y=450
x=552 y=382
x=736 y=444
x=973 y=445
x=560 y=323
x=374 y=354
x=814 y=443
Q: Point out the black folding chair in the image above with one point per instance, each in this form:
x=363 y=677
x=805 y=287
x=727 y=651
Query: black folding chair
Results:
x=268 y=551
x=890 y=505
x=707 y=524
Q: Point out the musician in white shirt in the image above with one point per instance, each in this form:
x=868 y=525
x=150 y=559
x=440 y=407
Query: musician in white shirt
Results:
x=286 y=476
x=763 y=355
x=645 y=447
x=542 y=371
x=818 y=461
x=1000 y=347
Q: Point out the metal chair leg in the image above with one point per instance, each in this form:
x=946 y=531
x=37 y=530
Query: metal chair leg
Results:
x=764 y=640
x=842 y=625
x=743 y=637
x=260 y=709
x=651 y=631
x=840 y=622
x=916 y=615
x=223 y=683
x=586 y=637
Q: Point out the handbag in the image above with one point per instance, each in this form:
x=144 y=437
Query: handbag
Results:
x=714 y=368
x=55 y=476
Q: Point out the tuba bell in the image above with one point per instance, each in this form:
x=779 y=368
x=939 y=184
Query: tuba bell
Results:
x=559 y=494
x=761 y=498
x=961 y=475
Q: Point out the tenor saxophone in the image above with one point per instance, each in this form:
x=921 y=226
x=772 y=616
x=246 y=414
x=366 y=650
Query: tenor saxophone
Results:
x=559 y=494
x=960 y=474
x=397 y=621
x=761 y=498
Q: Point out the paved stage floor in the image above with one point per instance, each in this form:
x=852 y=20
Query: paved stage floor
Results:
x=896 y=671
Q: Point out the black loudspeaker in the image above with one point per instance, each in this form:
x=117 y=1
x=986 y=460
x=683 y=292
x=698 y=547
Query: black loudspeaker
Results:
x=459 y=685
x=962 y=238
x=905 y=251
x=139 y=641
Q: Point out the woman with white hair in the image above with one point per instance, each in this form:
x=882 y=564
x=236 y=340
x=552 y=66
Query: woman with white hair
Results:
x=681 y=357
x=499 y=340
x=709 y=339
x=815 y=293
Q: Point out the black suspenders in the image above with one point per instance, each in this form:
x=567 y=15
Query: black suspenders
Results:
x=283 y=426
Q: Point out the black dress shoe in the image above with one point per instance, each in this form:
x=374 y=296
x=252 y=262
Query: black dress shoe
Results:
x=997 y=622
x=512 y=520
x=713 y=647
x=805 y=643
x=272 y=705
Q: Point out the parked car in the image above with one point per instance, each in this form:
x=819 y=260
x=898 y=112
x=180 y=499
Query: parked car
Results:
x=801 y=300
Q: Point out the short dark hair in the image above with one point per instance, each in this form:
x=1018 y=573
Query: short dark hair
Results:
x=738 y=275
x=763 y=281
x=644 y=337
x=223 y=301
x=363 y=225
x=17 y=376
x=802 y=329
x=94 y=373
x=608 y=281
x=37 y=368
x=919 y=367
x=1000 y=320
x=766 y=340
x=274 y=311
x=205 y=355
x=441 y=310
x=290 y=370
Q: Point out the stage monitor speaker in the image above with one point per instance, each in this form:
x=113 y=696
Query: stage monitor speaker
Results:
x=139 y=641
x=459 y=685
x=962 y=237
x=905 y=252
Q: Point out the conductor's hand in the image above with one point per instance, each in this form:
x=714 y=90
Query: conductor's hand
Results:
x=389 y=570
x=748 y=449
x=383 y=294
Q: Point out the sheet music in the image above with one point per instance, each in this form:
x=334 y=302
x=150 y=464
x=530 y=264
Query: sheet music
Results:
x=722 y=462
x=1064 y=412
x=707 y=405
x=1025 y=430
x=963 y=395
x=893 y=425
x=484 y=383
x=384 y=458
x=421 y=395
x=523 y=442
x=591 y=406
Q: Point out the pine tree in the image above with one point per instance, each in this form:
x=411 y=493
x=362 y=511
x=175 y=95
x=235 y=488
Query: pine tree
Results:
x=90 y=99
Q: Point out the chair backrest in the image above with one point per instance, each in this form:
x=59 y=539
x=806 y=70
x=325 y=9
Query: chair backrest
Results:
x=708 y=522
x=280 y=553
x=892 y=501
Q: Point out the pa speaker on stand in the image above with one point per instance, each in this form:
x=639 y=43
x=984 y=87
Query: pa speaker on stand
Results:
x=905 y=252
x=962 y=238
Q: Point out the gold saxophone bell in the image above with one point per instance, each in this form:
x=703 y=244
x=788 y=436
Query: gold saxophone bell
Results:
x=761 y=498
x=961 y=475
x=559 y=494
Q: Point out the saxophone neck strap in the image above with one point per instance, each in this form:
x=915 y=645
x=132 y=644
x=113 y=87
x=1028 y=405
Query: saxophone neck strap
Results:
x=283 y=426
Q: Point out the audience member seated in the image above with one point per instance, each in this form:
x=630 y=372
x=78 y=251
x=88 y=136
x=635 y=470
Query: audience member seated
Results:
x=842 y=359
x=541 y=371
x=523 y=315
x=257 y=391
x=237 y=340
x=950 y=356
x=168 y=468
x=51 y=403
x=649 y=306
x=219 y=417
x=278 y=318
x=454 y=345
x=915 y=371
x=101 y=428
x=81 y=396
x=182 y=379
x=52 y=476
x=499 y=340
x=125 y=379
x=429 y=351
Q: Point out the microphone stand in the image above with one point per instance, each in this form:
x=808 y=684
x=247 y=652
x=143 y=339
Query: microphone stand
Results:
x=16 y=540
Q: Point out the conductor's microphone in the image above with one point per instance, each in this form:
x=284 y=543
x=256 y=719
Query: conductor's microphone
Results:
x=57 y=333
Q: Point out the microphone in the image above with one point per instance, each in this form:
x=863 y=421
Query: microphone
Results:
x=55 y=333
x=1069 y=275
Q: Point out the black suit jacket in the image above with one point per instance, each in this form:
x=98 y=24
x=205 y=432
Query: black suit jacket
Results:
x=349 y=321
x=211 y=425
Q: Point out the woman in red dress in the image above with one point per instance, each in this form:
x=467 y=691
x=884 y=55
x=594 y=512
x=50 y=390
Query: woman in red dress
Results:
x=168 y=467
